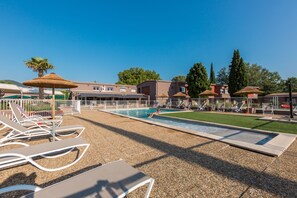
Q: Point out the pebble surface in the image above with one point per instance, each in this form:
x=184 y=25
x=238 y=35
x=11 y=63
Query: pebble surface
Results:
x=182 y=165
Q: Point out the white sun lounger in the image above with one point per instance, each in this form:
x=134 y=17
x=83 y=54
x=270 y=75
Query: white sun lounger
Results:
x=27 y=153
x=20 y=132
x=115 y=179
x=31 y=122
x=239 y=109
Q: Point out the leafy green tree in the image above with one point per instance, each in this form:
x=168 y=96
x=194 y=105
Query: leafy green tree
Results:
x=40 y=65
x=268 y=82
x=136 y=75
x=223 y=76
x=271 y=82
x=179 y=78
x=254 y=74
x=5 y=82
x=197 y=80
x=66 y=94
x=212 y=77
x=293 y=84
x=237 y=75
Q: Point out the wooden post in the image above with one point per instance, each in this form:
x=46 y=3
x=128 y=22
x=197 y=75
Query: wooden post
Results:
x=290 y=100
x=53 y=105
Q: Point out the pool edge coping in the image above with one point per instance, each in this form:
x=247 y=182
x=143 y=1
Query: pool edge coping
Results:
x=274 y=147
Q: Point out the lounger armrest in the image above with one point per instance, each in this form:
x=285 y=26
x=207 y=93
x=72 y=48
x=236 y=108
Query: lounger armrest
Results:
x=20 y=187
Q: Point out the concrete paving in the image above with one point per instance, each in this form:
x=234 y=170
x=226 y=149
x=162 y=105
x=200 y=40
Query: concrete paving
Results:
x=183 y=165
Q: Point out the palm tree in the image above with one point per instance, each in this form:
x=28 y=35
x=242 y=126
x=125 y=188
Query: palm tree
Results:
x=39 y=65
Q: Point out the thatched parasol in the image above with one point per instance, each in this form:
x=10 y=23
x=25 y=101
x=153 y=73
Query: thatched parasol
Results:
x=248 y=90
x=208 y=93
x=163 y=95
x=180 y=94
x=53 y=81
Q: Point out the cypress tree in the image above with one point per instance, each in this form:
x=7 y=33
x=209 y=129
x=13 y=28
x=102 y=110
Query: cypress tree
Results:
x=212 y=77
x=237 y=74
x=197 y=80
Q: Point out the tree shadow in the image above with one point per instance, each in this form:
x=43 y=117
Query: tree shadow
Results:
x=21 y=178
x=253 y=178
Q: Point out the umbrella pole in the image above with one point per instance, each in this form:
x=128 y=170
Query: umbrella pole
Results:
x=53 y=101
x=248 y=109
x=53 y=113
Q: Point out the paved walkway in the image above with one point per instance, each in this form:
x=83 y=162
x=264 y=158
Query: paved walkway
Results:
x=183 y=165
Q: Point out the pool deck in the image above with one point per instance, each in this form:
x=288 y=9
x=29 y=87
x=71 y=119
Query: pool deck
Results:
x=183 y=165
x=237 y=136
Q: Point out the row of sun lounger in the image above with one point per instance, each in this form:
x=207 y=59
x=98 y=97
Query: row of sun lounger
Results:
x=115 y=179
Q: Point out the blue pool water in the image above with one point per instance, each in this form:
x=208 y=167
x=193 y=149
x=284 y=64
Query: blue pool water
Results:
x=142 y=113
x=222 y=131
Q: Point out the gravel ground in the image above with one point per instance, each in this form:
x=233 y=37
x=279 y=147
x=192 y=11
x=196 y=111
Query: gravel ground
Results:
x=182 y=165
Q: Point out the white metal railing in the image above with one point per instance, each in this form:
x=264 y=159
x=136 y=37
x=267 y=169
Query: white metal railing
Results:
x=261 y=104
x=41 y=107
x=114 y=104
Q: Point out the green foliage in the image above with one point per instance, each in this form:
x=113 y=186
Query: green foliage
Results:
x=179 y=78
x=39 y=65
x=6 y=82
x=197 y=80
x=223 y=76
x=212 y=77
x=268 y=82
x=136 y=75
x=38 y=107
x=238 y=74
x=66 y=94
x=293 y=84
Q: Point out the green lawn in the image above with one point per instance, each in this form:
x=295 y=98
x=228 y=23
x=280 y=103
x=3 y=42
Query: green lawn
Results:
x=238 y=120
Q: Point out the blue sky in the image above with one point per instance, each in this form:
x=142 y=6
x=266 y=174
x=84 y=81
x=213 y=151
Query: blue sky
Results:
x=94 y=40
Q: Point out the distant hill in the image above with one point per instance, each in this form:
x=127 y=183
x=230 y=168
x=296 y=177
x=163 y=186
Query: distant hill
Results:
x=12 y=82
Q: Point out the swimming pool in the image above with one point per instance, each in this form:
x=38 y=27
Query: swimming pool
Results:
x=142 y=113
x=265 y=142
x=224 y=132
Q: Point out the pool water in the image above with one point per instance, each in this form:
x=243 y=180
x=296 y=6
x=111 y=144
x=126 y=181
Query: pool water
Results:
x=230 y=133
x=142 y=113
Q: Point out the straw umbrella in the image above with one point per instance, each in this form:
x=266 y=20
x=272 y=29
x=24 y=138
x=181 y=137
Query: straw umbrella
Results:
x=248 y=90
x=163 y=95
x=180 y=95
x=53 y=81
x=208 y=93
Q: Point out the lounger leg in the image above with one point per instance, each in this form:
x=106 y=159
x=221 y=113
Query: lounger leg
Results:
x=149 y=189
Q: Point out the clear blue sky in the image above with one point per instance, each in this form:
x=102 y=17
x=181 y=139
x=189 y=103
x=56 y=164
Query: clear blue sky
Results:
x=94 y=40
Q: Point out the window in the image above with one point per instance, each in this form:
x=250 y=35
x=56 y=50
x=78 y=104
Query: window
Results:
x=133 y=90
x=123 y=89
x=182 y=89
x=109 y=88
